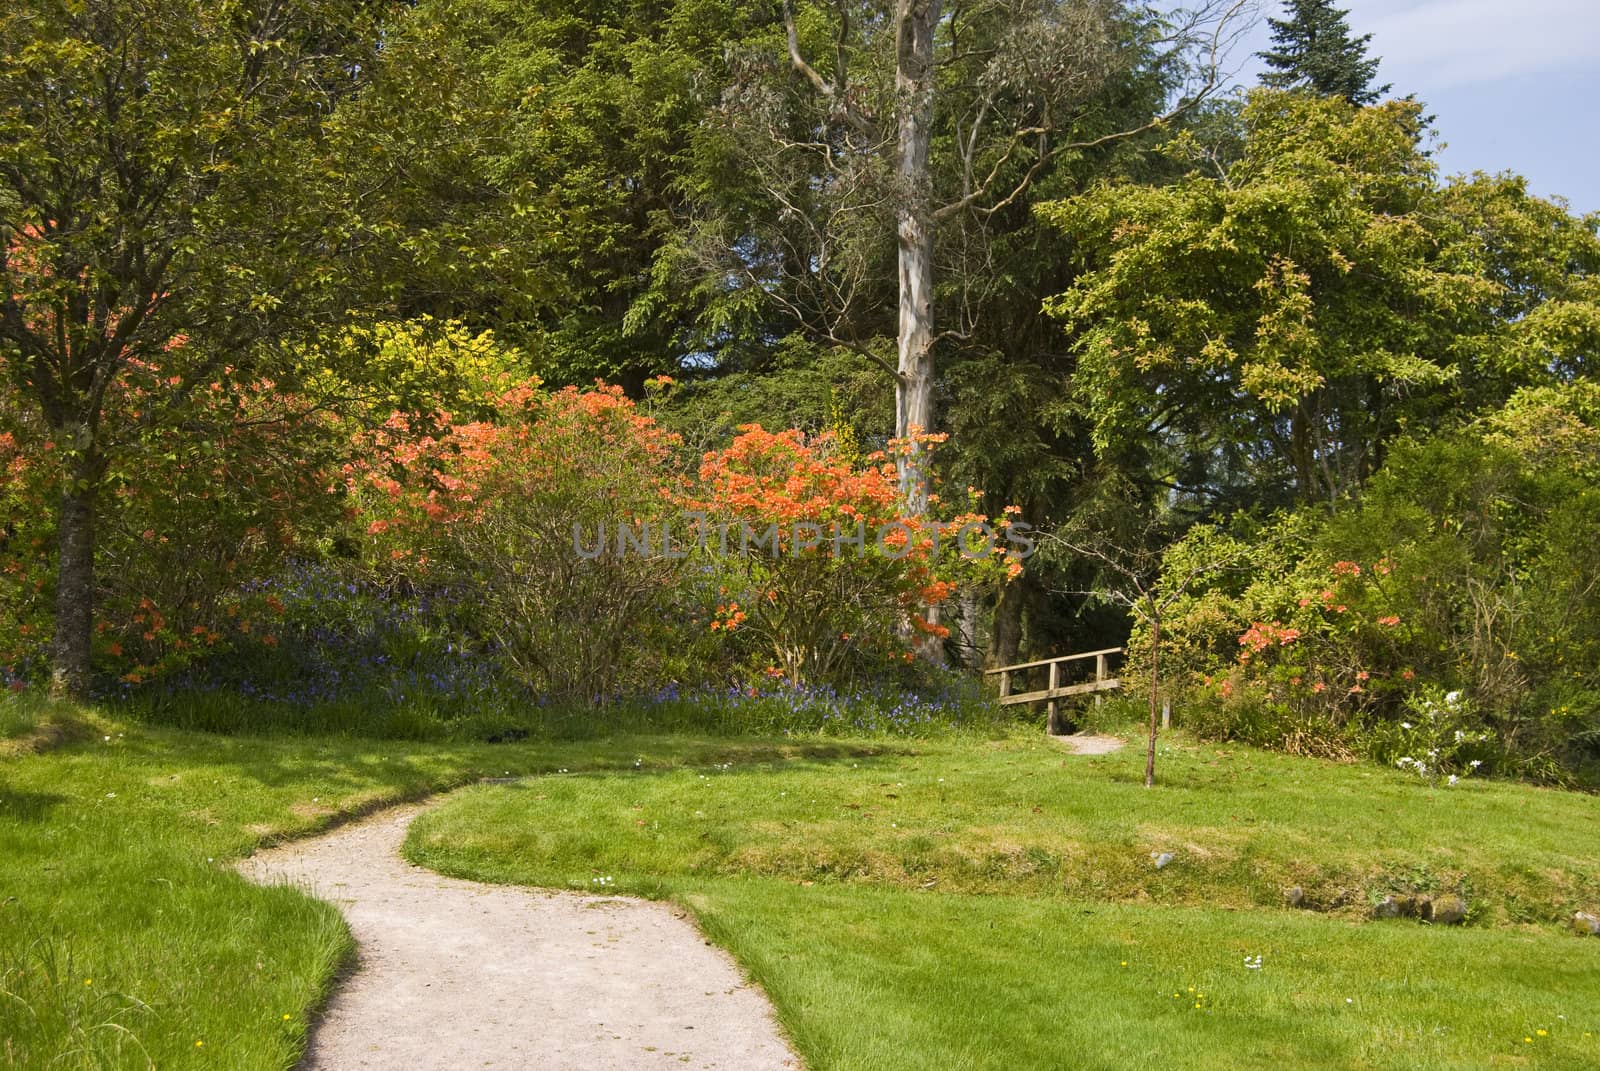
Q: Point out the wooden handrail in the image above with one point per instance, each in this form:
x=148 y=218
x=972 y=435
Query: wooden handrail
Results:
x=1055 y=690
x=1058 y=658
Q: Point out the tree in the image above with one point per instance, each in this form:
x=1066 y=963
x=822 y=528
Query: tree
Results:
x=883 y=127
x=1139 y=574
x=1313 y=49
x=1271 y=328
x=528 y=167
x=159 y=192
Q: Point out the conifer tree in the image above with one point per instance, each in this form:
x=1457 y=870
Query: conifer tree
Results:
x=1313 y=49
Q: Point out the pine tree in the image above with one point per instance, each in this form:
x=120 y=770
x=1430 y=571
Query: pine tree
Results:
x=1313 y=49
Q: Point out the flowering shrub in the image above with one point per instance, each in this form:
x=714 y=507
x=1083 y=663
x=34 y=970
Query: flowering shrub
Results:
x=1438 y=739
x=494 y=510
x=186 y=519
x=518 y=527
x=828 y=565
x=1467 y=567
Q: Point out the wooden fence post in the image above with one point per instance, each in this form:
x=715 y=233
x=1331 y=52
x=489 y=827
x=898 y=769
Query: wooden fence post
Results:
x=1054 y=723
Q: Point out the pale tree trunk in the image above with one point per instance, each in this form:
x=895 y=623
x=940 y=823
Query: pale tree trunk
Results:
x=915 y=22
x=74 y=625
x=967 y=629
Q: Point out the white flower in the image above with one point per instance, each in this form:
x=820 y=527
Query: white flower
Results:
x=1452 y=698
x=1476 y=763
x=1252 y=963
x=1454 y=779
x=1405 y=725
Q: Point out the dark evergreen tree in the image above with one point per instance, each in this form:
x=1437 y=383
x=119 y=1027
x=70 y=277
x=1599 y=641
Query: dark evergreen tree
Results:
x=1313 y=49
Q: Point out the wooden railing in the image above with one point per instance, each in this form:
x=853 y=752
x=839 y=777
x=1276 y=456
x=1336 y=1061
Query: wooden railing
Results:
x=1054 y=690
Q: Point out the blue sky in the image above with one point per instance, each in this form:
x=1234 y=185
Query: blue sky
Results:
x=1514 y=84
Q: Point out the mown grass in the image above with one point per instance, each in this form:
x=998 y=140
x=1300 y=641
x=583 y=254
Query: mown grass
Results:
x=943 y=903
x=872 y=978
x=899 y=920
x=126 y=939
x=1020 y=816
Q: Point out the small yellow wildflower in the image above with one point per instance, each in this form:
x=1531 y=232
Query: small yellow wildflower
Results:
x=199 y=1044
x=1124 y=963
x=1542 y=1033
x=286 y=1018
x=1527 y=1041
x=88 y=981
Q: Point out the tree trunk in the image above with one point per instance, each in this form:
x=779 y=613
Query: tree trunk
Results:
x=915 y=22
x=967 y=629
x=1155 y=700
x=74 y=626
x=1005 y=644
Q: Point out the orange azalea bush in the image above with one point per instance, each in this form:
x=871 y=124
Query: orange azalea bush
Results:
x=820 y=569
x=191 y=515
x=498 y=511
x=559 y=535
x=586 y=559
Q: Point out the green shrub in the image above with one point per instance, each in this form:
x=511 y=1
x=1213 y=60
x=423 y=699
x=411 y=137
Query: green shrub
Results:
x=1469 y=565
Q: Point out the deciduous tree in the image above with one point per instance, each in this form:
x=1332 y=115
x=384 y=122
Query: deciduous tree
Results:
x=158 y=210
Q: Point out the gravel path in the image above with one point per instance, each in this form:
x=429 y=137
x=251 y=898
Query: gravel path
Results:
x=1088 y=743
x=455 y=975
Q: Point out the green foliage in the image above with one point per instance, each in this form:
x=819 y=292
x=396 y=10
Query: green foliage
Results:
x=547 y=158
x=1281 y=323
x=801 y=385
x=170 y=224
x=1467 y=565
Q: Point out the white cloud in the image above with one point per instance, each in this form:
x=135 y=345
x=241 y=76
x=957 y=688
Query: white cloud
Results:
x=1438 y=44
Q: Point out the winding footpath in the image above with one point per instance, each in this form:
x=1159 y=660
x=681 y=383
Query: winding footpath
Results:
x=455 y=974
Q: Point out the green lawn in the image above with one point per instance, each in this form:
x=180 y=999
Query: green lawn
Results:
x=949 y=903
x=944 y=904
x=1019 y=816
x=126 y=941
x=873 y=978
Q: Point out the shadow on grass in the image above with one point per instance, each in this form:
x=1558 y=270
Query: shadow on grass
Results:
x=18 y=806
